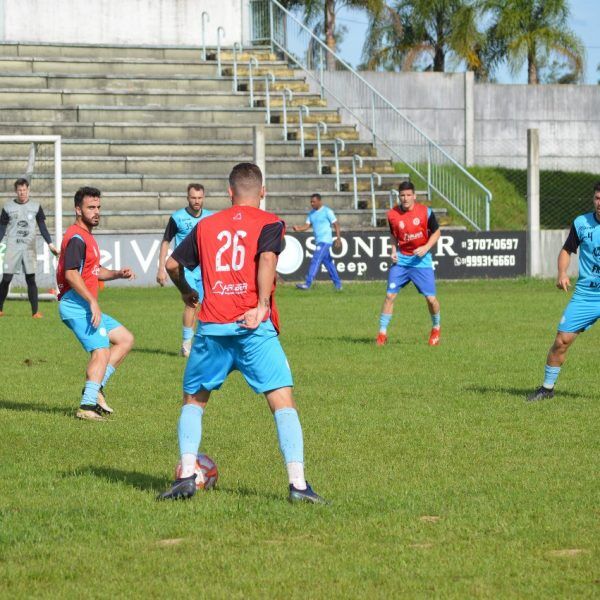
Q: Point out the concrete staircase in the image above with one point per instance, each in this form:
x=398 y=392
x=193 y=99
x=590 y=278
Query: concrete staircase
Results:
x=141 y=122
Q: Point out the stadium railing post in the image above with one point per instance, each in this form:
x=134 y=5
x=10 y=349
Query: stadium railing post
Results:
x=258 y=143
x=533 y=202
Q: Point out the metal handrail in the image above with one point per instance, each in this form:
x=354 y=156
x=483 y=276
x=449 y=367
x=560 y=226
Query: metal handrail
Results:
x=203 y=26
x=253 y=61
x=374 y=198
x=337 y=160
x=440 y=182
x=301 y=109
x=220 y=31
x=319 y=153
x=236 y=47
x=355 y=158
x=268 y=76
x=285 y=93
x=394 y=198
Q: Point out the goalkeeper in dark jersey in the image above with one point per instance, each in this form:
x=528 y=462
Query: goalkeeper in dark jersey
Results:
x=17 y=223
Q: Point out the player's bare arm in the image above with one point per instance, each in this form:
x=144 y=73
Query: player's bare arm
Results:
x=563 y=281
x=338 y=235
x=161 y=275
x=304 y=227
x=112 y=274
x=76 y=282
x=267 y=264
x=177 y=275
x=425 y=248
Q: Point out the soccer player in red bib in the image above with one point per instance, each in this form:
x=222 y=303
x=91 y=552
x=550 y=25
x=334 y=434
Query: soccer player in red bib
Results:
x=238 y=325
x=415 y=231
x=78 y=273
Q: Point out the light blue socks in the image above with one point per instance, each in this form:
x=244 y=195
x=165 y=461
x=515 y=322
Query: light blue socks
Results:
x=90 y=394
x=289 y=433
x=189 y=429
x=187 y=333
x=384 y=321
x=107 y=375
x=435 y=320
x=550 y=376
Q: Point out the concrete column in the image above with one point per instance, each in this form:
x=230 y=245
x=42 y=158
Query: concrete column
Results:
x=533 y=203
x=258 y=141
x=469 y=118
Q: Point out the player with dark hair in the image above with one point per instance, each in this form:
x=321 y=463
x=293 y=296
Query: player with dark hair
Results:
x=182 y=221
x=583 y=309
x=78 y=273
x=238 y=325
x=17 y=221
x=415 y=231
x=321 y=218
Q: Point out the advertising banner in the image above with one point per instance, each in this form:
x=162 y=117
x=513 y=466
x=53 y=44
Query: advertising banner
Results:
x=363 y=256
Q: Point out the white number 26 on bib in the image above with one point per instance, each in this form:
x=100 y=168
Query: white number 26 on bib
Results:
x=238 y=252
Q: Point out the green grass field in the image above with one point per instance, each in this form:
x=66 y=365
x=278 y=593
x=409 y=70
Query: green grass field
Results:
x=444 y=482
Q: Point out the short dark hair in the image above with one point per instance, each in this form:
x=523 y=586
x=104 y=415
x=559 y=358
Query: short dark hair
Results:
x=21 y=181
x=195 y=186
x=82 y=192
x=245 y=178
x=406 y=185
x=316 y=195
x=597 y=187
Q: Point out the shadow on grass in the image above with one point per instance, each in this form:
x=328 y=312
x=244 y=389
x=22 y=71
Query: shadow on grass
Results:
x=159 y=351
x=521 y=393
x=140 y=481
x=67 y=411
x=347 y=339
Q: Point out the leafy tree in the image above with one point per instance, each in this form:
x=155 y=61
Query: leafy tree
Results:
x=409 y=33
x=532 y=30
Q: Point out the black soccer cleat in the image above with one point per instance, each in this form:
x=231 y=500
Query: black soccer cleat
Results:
x=542 y=393
x=180 y=490
x=307 y=495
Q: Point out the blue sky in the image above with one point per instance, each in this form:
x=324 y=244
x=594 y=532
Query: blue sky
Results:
x=585 y=21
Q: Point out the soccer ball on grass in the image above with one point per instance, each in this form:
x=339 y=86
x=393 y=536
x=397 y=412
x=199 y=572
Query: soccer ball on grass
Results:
x=206 y=472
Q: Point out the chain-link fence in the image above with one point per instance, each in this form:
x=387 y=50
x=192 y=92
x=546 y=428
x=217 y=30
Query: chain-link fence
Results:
x=569 y=169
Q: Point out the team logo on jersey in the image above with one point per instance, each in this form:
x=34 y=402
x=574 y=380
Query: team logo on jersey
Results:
x=229 y=289
x=22 y=224
x=237 y=216
x=402 y=225
x=96 y=270
x=416 y=221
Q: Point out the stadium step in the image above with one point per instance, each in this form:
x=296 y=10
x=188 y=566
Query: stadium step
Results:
x=129 y=51
x=200 y=83
x=164 y=131
x=137 y=182
x=44 y=98
x=227 y=149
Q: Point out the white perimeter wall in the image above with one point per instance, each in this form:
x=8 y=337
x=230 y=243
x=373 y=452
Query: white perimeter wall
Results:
x=173 y=22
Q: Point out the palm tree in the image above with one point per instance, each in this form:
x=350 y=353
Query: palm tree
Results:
x=531 y=30
x=410 y=31
x=320 y=15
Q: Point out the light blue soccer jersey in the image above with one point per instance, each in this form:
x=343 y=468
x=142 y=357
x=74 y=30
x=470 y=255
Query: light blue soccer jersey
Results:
x=321 y=221
x=587 y=229
x=186 y=222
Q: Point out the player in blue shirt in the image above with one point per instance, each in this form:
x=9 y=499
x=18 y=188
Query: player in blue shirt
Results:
x=584 y=308
x=182 y=221
x=321 y=218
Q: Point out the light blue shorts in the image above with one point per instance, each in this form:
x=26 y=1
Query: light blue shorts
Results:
x=579 y=315
x=76 y=315
x=422 y=277
x=194 y=279
x=257 y=355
